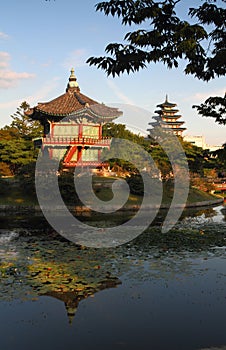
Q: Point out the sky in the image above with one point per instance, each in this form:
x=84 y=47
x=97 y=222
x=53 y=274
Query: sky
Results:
x=40 y=41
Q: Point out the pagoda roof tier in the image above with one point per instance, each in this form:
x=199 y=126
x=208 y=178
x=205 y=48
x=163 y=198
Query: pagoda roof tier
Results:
x=71 y=103
x=157 y=122
x=166 y=104
x=176 y=116
x=163 y=111
x=174 y=129
x=174 y=123
x=156 y=117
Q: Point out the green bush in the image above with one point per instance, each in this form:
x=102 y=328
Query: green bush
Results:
x=136 y=185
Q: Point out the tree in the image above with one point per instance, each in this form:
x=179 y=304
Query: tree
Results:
x=161 y=159
x=16 y=152
x=196 y=157
x=199 y=41
x=119 y=131
x=16 y=145
x=220 y=155
x=26 y=127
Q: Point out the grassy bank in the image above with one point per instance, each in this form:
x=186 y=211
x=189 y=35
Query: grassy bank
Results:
x=13 y=194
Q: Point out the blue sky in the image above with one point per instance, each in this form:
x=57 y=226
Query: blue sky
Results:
x=41 y=40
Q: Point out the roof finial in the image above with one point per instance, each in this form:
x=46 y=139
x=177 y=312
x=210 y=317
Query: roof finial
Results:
x=72 y=80
x=166 y=98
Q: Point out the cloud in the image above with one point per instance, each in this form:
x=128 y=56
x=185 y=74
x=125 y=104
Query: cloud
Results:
x=9 y=107
x=202 y=96
x=76 y=58
x=8 y=77
x=10 y=104
x=4 y=60
x=137 y=125
x=205 y=95
x=3 y=35
x=43 y=93
x=47 y=63
x=4 y=56
x=118 y=93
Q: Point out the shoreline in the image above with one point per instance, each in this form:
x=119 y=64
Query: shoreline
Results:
x=82 y=209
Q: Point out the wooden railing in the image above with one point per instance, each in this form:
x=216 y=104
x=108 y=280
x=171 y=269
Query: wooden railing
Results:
x=85 y=163
x=76 y=141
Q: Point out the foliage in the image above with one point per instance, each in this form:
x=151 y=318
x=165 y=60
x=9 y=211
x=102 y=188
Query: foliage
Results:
x=5 y=169
x=67 y=188
x=162 y=36
x=16 y=152
x=201 y=183
x=195 y=157
x=119 y=131
x=3 y=186
x=162 y=161
x=220 y=159
x=16 y=145
x=136 y=185
x=26 y=177
x=214 y=107
x=167 y=38
x=210 y=173
x=25 y=126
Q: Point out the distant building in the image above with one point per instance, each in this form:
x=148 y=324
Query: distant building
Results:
x=167 y=118
x=200 y=141
x=72 y=126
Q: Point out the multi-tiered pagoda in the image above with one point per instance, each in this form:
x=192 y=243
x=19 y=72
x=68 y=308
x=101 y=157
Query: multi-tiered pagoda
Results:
x=168 y=119
x=72 y=125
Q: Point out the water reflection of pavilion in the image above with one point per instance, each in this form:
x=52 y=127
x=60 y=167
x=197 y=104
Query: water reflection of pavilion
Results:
x=71 y=299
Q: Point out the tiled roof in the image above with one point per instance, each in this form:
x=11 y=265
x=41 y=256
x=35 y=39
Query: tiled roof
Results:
x=72 y=103
x=104 y=111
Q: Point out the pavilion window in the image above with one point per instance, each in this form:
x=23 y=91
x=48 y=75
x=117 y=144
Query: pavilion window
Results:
x=65 y=130
x=90 y=155
x=90 y=131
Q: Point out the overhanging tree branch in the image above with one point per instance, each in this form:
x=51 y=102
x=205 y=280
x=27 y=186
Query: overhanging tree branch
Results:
x=214 y=107
x=167 y=39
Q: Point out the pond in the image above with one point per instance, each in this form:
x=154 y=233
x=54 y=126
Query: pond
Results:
x=151 y=293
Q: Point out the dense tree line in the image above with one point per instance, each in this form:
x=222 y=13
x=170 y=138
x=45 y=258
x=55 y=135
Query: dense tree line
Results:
x=197 y=158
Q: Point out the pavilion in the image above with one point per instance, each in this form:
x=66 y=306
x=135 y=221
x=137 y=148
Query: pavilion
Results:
x=72 y=127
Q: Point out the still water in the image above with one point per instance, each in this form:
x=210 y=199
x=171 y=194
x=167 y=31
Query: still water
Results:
x=147 y=294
